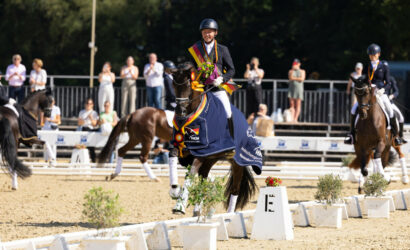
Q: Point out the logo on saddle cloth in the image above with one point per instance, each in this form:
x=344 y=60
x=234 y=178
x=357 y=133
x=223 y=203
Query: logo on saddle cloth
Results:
x=185 y=133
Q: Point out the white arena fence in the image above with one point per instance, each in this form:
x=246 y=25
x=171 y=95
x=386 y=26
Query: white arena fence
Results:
x=284 y=170
x=163 y=234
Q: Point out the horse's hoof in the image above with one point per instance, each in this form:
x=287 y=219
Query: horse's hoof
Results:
x=14 y=188
x=195 y=214
x=365 y=172
x=175 y=192
x=405 y=179
x=177 y=211
x=111 y=177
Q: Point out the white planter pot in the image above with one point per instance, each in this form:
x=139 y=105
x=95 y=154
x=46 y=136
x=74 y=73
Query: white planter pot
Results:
x=106 y=243
x=327 y=216
x=377 y=207
x=199 y=236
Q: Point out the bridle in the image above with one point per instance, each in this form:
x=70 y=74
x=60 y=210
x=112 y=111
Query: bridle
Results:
x=180 y=100
x=361 y=92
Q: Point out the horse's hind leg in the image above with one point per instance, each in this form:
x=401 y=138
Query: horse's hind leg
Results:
x=14 y=183
x=121 y=153
x=237 y=173
x=405 y=177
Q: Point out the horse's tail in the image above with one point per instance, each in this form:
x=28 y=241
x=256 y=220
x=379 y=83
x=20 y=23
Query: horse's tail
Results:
x=9 y=150
x=247 y=188
x=392 y=158
x=112 y=141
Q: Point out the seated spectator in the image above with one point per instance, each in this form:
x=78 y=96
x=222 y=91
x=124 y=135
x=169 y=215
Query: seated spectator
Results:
x=261 y=125
x=161 y=152
x=88 y=121
x=51 y=123
x=38 y=76
x=108 y=119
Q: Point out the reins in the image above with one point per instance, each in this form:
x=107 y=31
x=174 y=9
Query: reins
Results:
x=186 y=99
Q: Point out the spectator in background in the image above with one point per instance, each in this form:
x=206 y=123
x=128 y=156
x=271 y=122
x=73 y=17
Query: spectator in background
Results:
x=51 y=123
x=4 y=99
x=38 y=76
x=153 y=72
x=356 y=74
x=106 y=89
x=108 y=120
x=88 y=121
x=254 y=91
x=261 y=113
x=161 y=152
x=295 y=93
x=169 y=89
x=129 y=74
x=16 y=75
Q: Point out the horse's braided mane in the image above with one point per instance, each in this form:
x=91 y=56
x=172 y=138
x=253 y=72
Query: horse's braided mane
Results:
x=32 y=94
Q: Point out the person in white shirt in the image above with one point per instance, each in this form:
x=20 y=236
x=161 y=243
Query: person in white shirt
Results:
x=153 y=74
x=38 y=76
x=51 y=123
x=88 y=121
x=129 y=74
x=254 y=91
x=106 y=89
x=16 y=75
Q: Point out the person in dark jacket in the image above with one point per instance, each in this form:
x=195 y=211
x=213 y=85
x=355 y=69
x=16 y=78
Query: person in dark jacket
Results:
x=169 y=66
x=393 y=94
x=219 y=55
x=378 y=74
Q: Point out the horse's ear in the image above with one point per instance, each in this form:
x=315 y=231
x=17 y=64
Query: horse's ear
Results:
x=49 y=91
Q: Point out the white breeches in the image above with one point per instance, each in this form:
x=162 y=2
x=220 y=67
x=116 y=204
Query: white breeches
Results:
x=398 y=113
x=386 y=102
x=223 y=97
x=105 y=93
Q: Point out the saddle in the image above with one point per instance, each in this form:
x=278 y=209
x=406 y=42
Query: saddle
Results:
x=27 y=123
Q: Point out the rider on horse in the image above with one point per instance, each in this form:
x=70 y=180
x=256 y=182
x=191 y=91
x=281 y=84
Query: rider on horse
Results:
x=393 y=94
x=378 y=75
x=219 y=55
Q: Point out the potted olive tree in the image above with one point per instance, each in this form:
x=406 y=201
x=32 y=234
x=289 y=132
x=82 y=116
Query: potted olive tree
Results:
x=376 y=204
x=102 y=210
x=327 y=213
x=207 y=194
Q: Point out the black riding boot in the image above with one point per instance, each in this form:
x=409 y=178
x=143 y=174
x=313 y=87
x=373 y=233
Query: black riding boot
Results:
x=351 y=136
x=401 y=133
x=230 y=125
x=395 y=130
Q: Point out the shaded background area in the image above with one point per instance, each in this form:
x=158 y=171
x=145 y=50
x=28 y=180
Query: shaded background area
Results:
x=328 y=36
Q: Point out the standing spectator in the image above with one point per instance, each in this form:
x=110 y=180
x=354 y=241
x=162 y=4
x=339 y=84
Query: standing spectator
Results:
x=295 y=94
x=38 y=76
x=169 y=89
x=51 y=123
x=108 y=119
x=355 y=74
x=88 y=121
x=153 y=72
x=16 y=75
x=106 y=90
x=129 y=74
x=254 y=91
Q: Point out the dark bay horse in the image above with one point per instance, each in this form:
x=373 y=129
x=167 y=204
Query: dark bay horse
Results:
x=10 y=135
x=142 y=126
x=372 y=136
x=241 y=184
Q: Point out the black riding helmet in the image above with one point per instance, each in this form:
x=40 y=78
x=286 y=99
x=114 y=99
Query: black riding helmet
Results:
x=373 y=49
x=208 y=23
x=169 y=65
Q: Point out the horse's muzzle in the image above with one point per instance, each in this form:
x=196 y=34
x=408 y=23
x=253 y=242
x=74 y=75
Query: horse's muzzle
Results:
x=47 y=113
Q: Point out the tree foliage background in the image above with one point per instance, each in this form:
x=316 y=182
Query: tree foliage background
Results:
x=328 y=36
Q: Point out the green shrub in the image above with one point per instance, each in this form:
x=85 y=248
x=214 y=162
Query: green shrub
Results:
x=102 y=208
x=347 y=160
x=329 y=188
x=375 y=185
x=206 y=192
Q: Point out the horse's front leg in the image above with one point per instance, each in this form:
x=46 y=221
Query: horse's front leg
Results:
x=237 y=173
x=378 y=160
x=365 y=156
x=183 y=197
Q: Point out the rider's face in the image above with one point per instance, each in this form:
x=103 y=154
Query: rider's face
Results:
x=374 y=57
x=208 y=35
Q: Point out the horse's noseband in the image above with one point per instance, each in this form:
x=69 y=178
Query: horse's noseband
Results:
x=361 y=92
